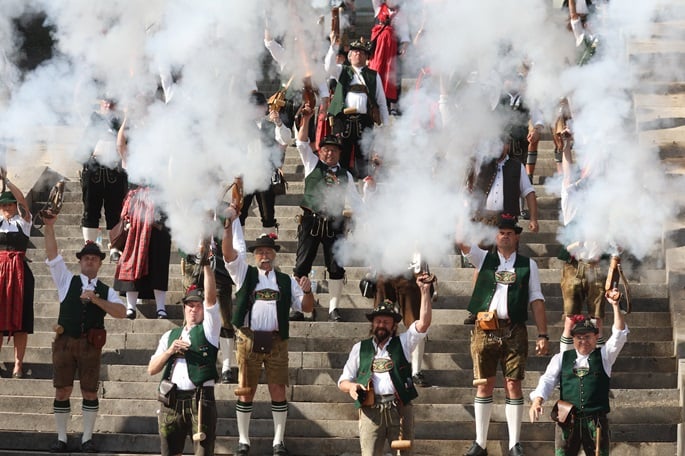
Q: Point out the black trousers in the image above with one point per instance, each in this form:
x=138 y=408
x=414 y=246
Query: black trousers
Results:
x=349 y=128
x=266 y=201
x=312 y=232
x=102 y=187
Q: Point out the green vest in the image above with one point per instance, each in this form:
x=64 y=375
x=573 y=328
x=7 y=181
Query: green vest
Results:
x=245 y=298
x=517 y=293
x=200 y=357
x=323 y=196
x=344 y=81
x=76 y=317
x=400 y=372
x=589 y=393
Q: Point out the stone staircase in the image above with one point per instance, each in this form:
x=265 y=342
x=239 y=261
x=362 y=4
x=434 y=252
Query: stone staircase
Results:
x=647 y=382
x=322 y=421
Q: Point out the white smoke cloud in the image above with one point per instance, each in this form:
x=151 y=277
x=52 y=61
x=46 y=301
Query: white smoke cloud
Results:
x=187 y=149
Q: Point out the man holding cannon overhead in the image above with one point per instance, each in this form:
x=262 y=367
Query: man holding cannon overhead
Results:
x=584 y=376
x=187 y=356
x=378 y=376
x=264 y=298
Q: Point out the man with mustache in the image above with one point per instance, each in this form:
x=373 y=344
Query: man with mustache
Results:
x=378 y=374
x=507 y=286
x=263 y=301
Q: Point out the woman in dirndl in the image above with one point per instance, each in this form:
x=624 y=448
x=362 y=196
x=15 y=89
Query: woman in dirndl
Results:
x=16 y=279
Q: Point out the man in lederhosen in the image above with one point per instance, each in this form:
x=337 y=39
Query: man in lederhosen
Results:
x=358 y=98
x=379 y=369
x=80 y=334
x=103 y=180
x=264 y=298
x=584 y=376
x=329 y=191
x=508 y=284
x=188 y=355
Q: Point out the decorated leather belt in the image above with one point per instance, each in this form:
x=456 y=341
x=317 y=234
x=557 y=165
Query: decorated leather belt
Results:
x=358 y=88
x=384 y=399
x=207 y=391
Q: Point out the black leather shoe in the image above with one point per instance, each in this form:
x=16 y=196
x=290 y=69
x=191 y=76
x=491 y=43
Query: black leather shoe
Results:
x=131 y=314
x=516 y=450
x=226 y=377
x=334 y=315
x=279 y=450
x=59 y=447
x=88 y=447
x=296 y=316
x=420 y=381
x=476 y=450
x=243 y=449
x=470 y=320
x=525 y=215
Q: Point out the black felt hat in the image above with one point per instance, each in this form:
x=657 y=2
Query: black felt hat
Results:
x=509 y=221
x=265 y=240
x=583 y=325
x=386 y=308
x=330 y=140
x=91 y=248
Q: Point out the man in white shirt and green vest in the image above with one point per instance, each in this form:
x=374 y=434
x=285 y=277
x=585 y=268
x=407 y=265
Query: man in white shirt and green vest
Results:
x=508 y=284
x=358 y=103
x=80 y=334
x=187 y=356
x=584 y=376
x=379 y=369
x=329 y=193
x=264 y=298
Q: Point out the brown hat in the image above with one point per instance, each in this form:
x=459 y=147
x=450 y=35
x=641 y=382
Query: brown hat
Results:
x=91 y=248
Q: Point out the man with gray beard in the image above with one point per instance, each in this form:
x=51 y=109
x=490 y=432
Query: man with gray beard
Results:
x=264 y=297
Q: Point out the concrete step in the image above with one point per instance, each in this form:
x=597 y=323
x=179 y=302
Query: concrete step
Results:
x=652 y=372
x=118 y=444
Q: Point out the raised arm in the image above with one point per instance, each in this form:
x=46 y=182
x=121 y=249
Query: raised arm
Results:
x=122 y=142
x=50 y=239
x=426 y=310
x=614 y=297
x=303 y=132
x=227 y=250
x=22 y=205
x=209 y=285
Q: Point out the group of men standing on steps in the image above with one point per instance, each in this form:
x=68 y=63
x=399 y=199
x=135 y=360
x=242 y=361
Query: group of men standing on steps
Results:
x=378 y=373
